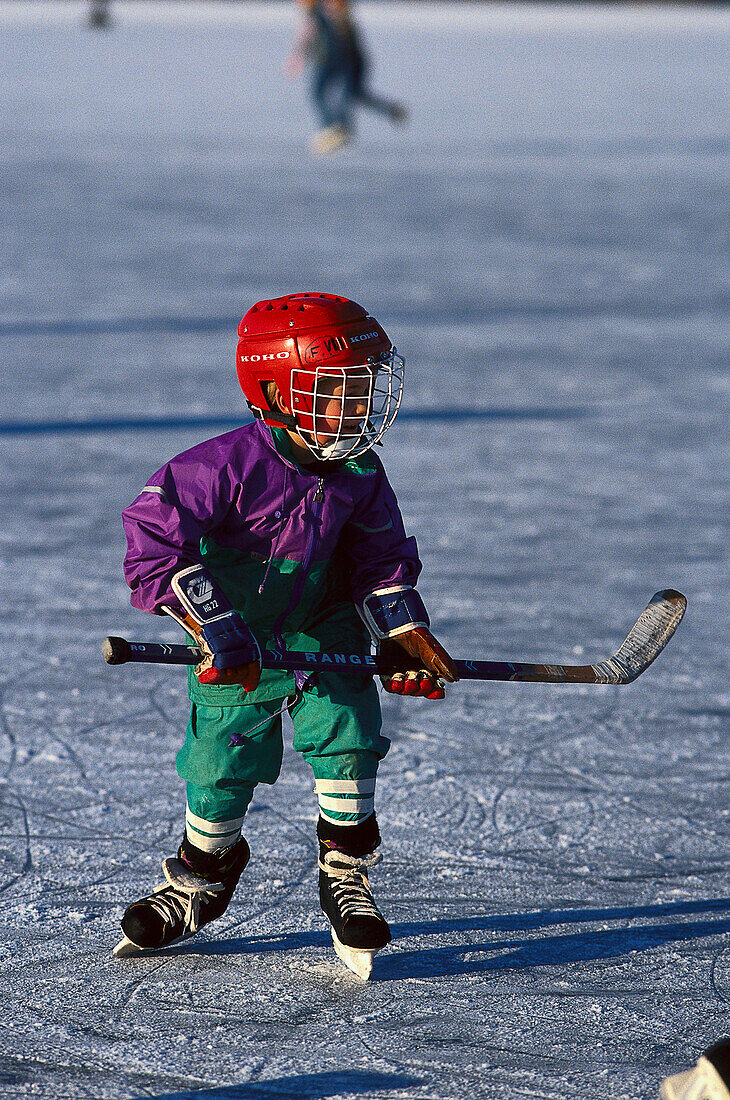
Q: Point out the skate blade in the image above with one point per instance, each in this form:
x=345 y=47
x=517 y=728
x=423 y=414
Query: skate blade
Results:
x=329 y=142
x=126 y=948
x=360 y=962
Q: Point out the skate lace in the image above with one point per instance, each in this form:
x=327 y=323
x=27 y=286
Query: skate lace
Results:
x=350 y=884
x=174 y=903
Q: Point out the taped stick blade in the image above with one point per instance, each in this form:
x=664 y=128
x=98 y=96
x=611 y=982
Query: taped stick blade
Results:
x=646 y=639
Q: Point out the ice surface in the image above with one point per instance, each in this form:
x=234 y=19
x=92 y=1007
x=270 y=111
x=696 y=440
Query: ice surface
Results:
x=546 y=241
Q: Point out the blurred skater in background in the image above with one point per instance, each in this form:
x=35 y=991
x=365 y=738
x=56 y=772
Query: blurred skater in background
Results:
x=100 y=14
x=329 y=44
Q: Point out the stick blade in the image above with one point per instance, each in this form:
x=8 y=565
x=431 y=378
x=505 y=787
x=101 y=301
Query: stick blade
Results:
x=646 y=639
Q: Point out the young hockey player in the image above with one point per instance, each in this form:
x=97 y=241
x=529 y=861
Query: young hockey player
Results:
x=285 y=533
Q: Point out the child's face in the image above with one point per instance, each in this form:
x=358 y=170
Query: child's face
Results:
x=343 y=412
x=342 y=404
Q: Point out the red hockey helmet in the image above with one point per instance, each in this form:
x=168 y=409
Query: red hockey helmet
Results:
x=338 y=373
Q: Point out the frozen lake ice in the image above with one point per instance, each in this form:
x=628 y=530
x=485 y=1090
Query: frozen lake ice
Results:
x=546 y=242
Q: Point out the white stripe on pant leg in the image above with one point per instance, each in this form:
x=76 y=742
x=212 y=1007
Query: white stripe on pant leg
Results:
x=362 y=806
x=212 y=836
x=341 y=820
x=355 y=804
x=345 y=786
x=215 y=828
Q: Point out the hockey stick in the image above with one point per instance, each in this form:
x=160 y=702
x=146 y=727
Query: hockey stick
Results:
x=644 y=642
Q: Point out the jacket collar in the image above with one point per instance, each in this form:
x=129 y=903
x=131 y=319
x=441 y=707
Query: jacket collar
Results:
x=277 y=440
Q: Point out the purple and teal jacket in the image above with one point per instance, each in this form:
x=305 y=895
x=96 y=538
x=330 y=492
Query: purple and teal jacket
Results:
x=294 y=548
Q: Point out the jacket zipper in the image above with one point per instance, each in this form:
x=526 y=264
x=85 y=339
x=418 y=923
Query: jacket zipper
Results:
x=317 y=506
x=282 y=524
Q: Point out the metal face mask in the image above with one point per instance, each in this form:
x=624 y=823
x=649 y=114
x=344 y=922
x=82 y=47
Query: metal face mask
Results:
x=342 y=412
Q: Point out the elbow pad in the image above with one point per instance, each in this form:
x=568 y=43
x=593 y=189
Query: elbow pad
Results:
x=388 y=612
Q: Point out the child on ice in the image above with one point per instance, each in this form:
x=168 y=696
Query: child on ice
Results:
x=284 y=533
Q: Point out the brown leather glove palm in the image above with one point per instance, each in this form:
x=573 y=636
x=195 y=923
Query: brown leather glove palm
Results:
x=431 y=664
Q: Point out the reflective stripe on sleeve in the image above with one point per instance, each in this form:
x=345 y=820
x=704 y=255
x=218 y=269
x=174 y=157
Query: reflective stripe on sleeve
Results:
x=154 y=489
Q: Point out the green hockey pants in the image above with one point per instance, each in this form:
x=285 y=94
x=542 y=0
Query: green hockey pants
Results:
x=228 y=750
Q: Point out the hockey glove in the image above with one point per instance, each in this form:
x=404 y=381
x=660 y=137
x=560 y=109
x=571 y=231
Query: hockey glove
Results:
x=397 y=620
x=232 y=654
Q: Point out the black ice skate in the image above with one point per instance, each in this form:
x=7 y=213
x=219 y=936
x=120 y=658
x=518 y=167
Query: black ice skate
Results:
x=197 y=889
x=358 y=928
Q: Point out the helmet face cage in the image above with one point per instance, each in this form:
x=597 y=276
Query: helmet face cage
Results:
x=343 y=411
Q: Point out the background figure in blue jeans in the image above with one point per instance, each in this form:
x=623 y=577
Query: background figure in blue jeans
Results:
x=329 y=43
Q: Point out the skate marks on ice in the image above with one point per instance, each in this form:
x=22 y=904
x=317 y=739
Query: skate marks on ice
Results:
x=569 y=985
x=87 y=1080
x=471 y=956
x=15 y=859
x=53 y=802
x=488 y=792
x=564 y=787
x=480 y=969
x=303 y=949
x=66 y=1076
x=720 y=974
x=410 y=955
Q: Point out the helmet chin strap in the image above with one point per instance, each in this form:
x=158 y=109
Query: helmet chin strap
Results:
x=335 y=451
x=273 y=417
